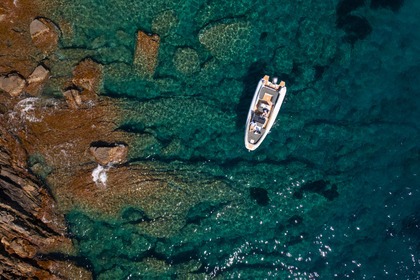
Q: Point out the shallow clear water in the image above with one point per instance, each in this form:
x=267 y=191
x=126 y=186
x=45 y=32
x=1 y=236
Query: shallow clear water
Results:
x=333 y=191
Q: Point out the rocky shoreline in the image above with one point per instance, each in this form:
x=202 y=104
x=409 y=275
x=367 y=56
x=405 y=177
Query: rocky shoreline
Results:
x=59 y=142
x=33 y=233
x=62 y=148
x=40 y=136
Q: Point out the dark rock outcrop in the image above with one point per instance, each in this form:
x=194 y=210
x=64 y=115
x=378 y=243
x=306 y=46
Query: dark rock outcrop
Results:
x=31 y=229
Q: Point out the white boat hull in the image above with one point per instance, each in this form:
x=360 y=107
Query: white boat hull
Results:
x=265 y=106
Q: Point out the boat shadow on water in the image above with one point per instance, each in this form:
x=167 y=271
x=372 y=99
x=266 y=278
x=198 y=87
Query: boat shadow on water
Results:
x=249 y=80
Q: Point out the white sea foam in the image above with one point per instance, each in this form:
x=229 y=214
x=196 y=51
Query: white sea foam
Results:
x=33 y=109
x=26 y=107
x=99 y=175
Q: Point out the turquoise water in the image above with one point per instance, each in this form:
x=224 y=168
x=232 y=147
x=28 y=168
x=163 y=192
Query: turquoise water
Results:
x=333 y=191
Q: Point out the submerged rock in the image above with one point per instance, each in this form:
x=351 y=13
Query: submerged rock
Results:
x=356 y=28
x=44 y=34
x=164 y=22
x=146 y=54
x=260 y=195
x=394 y=5
x=13 y=84
x=186 y=61
x=227 y=41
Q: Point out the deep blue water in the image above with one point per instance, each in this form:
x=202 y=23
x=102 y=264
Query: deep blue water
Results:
x=333 y=191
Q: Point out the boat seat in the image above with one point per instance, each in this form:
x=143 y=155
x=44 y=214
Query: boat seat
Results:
x=267 y=97
x=259 y=119
x=266 y=80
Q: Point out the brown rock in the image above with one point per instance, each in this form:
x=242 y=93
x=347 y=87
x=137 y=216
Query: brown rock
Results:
x=44 y=34
x=88 y=76
x=146 y=55
x=64 y=270
x=37 y=79
x=73 y=98
x=40 y=74
x=20 y=247
x=37 y=27
x=18 y=54
x=5 y=9
x=114 y=154
x=12 y=84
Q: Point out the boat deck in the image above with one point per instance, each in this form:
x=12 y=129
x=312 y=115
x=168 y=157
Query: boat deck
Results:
x=266 y=97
